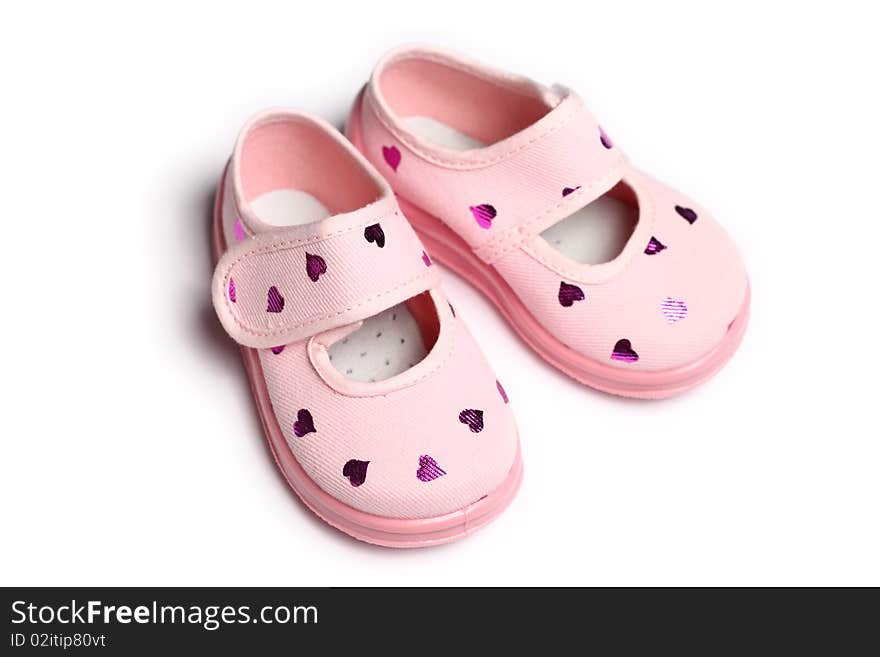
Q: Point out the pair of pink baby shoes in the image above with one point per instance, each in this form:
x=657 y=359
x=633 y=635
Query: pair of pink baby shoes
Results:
x=379 y=406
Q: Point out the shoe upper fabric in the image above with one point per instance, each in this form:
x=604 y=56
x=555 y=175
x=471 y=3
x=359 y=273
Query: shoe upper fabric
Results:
x=426 y=442
x=664 y=301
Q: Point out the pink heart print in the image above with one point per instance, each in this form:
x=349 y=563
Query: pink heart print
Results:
x=484 y=214
x=623 y=351
x=654 y=247
x=473 y=418
x=304 y=423
x=274 y=301
x=232 y=290
x=568 y=294
x=673 y=309
x=374 y=233
x=356 y=471
x=239 y=231
x=392 y=156
x=315 y=266
x=686 y=213
x=428 y=469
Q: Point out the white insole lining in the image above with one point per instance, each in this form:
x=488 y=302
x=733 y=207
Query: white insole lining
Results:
x=592 y=235
x=289 y=207
x=440 y=133
x=387 y=343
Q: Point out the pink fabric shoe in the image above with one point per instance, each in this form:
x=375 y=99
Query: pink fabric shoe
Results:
x=614 y=278
x=380 y=409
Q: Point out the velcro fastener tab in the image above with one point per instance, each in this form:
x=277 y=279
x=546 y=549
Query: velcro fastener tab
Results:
x=290 y=284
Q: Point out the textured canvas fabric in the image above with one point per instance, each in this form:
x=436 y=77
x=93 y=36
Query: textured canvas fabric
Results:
x=393 y=429
x=427 y=442
x=289 y=283
x=664 y=302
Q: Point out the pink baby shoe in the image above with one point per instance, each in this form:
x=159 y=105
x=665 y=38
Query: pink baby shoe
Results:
x=614 y=278
x=380 y=409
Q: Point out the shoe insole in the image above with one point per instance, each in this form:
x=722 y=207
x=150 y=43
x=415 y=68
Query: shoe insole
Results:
x=592 y=235
x=387 y=343
x=289 y=207
x=442 y=134
x=596 y=233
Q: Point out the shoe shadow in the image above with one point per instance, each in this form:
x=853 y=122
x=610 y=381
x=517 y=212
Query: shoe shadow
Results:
x=208 y=331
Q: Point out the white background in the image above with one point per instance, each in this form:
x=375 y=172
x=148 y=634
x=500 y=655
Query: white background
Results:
x=131 y=449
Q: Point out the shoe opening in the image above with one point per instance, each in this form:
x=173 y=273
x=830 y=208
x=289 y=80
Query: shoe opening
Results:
x=293 y=172
x=597 y=232
x=389 y=343
x=484 y=108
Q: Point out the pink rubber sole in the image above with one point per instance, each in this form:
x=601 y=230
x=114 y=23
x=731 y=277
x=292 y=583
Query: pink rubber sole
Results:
x=387 y=532
x=449 y=249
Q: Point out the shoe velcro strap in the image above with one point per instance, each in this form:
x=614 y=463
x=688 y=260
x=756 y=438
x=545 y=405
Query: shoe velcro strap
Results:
x=287 y=285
